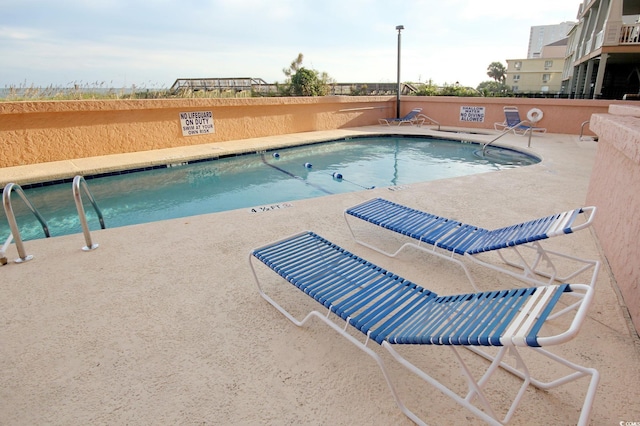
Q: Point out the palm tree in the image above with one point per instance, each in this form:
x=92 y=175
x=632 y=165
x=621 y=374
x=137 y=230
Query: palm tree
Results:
x=497 y=71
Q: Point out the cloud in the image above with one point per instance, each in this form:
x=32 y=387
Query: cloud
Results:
x=500 y=10
x=355 y=40
x=18 y=33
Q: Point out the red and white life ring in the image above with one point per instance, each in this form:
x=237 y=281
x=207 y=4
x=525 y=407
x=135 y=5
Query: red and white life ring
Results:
x=534 y=115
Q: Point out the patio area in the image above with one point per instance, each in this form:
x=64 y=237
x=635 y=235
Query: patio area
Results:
x=162 y=324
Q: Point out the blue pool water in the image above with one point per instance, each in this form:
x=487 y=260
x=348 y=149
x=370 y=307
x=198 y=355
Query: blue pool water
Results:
x=256 y=180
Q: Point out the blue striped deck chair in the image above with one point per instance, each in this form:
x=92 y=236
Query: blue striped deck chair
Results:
x=411 y=118
x=529 y=259
x=513 y=122
x=392 y=311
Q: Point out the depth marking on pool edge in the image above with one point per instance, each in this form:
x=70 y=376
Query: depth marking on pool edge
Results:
x=397 y=188
x=270 y=207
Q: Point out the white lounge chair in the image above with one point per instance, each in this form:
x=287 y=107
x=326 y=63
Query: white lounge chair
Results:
x=392 y=311
x=451 y=240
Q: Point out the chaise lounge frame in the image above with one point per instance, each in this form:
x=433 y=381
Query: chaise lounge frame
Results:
x=390 y=311
x=412 y=118
x=452 y=240
x=515 y=124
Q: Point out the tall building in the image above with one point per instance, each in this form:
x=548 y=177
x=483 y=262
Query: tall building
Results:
x=603 y=55
x=543 y=35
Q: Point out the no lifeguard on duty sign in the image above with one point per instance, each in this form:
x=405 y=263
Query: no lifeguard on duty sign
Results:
x=196 y=123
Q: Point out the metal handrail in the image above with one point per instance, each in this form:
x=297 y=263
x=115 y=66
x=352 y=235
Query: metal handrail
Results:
x=11 y=218
x=79 y=182
x=432 y=121
x=507 y=130
x=361 y=109
x=504 y=132
x=584 y=123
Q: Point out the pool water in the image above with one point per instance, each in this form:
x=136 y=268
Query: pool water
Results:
x=254 y=180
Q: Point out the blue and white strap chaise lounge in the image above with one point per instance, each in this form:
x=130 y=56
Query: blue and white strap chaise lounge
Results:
x=392 y=311
x=411 y=118
x=450 y=239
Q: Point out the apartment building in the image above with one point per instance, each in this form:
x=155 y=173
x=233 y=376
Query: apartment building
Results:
x=603 y=54
x=542 y=74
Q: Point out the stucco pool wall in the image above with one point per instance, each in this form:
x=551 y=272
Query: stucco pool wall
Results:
x=37 y=132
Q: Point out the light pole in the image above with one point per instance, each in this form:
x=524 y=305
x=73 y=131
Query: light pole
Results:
x=399 y=28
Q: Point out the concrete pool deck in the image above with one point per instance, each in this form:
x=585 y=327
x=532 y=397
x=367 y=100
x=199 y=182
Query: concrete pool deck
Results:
x=162 y=323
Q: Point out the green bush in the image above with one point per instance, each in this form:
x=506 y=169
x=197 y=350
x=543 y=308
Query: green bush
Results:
x=306 y=82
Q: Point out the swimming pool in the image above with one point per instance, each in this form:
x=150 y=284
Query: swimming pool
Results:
x=258 y=179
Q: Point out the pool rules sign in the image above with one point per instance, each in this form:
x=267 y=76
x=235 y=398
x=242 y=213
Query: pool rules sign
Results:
x=196 y=123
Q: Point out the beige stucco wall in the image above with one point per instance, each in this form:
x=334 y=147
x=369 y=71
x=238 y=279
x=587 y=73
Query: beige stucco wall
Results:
x=37 y=132
x=559 y=115
x=613 y=188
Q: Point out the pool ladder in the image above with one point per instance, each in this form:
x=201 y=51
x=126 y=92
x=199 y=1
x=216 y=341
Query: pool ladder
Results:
x=79 y=184
x=11 y=218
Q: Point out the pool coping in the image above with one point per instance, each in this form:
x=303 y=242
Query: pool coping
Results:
x=65 y=171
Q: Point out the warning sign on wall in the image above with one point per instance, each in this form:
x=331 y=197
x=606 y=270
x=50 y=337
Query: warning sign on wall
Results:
x=472 y=113
x=196 y=123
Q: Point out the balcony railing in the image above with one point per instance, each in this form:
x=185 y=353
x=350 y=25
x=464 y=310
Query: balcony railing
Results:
x=588 y=44
x=599 y=40
x=613 y=34
x=630 y=34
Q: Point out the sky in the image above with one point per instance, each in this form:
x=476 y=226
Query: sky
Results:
x=151 y=43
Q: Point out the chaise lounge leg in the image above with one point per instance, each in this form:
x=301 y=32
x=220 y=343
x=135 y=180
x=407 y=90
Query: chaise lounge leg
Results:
x=532 y=270
x=579 y=372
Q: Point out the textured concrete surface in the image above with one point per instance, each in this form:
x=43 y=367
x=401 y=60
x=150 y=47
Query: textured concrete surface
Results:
x=162 y=323
x=614 y=184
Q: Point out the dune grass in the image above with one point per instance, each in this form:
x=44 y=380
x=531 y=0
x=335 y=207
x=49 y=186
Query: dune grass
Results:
x=102 y=90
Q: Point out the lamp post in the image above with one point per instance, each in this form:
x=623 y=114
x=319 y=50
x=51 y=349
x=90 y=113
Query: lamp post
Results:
x=399 y=28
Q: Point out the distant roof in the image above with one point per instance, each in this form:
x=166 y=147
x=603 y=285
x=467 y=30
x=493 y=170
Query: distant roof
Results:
x=237 y=83
x=561 y=42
